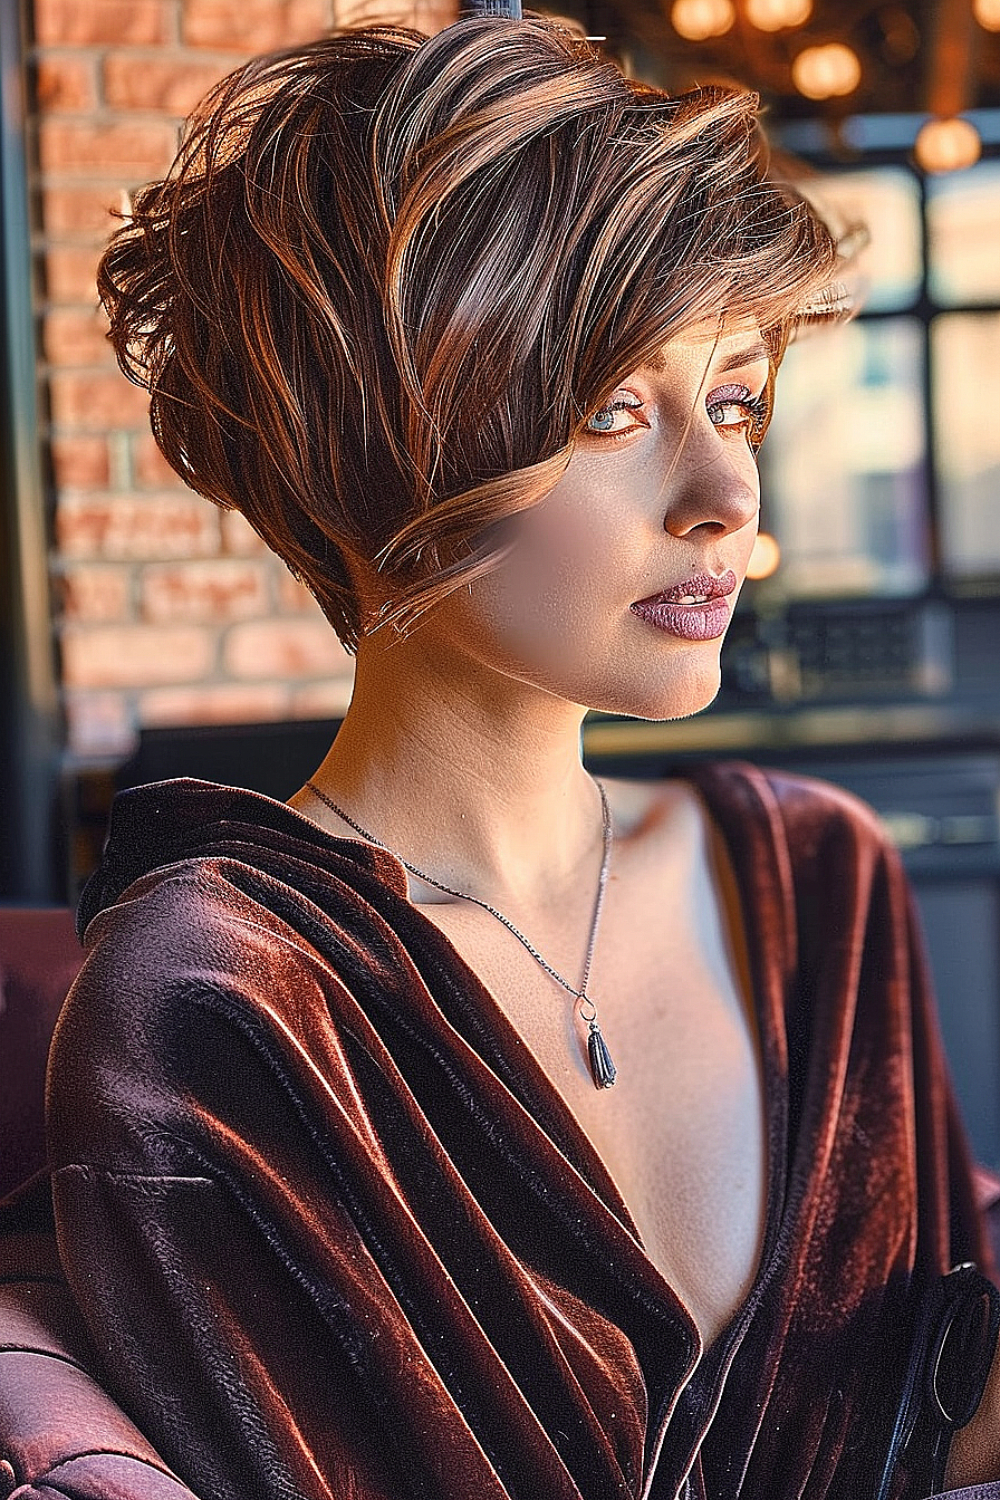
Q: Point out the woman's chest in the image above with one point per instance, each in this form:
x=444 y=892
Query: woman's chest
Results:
x=682 y=1134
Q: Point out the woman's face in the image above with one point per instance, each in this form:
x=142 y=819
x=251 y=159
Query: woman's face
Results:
x=660 y=498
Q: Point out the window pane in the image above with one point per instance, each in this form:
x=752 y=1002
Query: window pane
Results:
x=965 y=367
x=887 y=201
x=843 y=463
x=963 y=225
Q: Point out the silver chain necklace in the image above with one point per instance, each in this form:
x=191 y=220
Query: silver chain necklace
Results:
x=602 y=1068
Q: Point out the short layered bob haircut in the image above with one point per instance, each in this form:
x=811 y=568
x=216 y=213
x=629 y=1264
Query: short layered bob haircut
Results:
x=389 y=277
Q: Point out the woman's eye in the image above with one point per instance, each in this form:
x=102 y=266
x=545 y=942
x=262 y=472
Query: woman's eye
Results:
x=733 y=408
x=605 y=422
x=729 y=414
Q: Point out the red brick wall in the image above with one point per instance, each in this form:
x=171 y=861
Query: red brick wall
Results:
x=168 y=611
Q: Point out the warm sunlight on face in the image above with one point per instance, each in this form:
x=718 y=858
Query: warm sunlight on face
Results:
x=622 y=581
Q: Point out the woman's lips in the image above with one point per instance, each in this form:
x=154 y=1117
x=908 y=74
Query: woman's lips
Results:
x=695 y=610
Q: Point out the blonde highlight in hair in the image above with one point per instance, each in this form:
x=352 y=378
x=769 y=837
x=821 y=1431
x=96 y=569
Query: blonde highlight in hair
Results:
x=389 y=277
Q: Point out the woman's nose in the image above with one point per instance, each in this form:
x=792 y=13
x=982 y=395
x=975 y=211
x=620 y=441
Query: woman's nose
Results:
x=714 y=485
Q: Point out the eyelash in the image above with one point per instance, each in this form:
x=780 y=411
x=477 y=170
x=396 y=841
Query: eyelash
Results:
x=757 y=409
x=611 y=407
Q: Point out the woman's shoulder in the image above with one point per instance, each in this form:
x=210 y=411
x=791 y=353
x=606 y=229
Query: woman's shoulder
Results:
x=795 y=845
x=749 y=801
x=193 y=993
x=193 y=918
x=196 y=945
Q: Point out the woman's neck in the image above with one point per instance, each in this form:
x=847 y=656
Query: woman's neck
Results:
x=470 y=775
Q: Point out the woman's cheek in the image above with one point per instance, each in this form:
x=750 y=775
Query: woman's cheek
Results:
x=574 y=587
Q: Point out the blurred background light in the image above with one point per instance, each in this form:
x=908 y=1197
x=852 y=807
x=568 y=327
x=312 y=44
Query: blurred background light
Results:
x=826 y=72
x=987 y=13
x=697 y=20
x=775 y=15
x=765 y=557
x=947 y=145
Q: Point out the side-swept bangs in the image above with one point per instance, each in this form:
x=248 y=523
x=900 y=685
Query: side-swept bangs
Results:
x=390 y=276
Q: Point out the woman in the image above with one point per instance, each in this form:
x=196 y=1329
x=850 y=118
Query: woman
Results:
x=481 y=337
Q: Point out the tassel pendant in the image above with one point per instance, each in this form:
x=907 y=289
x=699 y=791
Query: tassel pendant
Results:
x=603 y=1069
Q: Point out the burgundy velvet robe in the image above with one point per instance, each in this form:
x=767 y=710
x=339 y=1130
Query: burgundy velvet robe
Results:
x=335 y=1235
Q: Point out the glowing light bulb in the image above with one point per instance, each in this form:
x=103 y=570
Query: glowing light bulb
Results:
x=696 y=20
x=765 y=557
x=947 y=145
x=987 y=13
x=774 y=15
x=826 y=71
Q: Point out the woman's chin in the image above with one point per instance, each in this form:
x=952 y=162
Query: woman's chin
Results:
x=687 y=694
x=681 y=706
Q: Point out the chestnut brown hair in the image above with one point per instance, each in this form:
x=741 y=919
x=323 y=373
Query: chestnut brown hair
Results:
x=389 y=277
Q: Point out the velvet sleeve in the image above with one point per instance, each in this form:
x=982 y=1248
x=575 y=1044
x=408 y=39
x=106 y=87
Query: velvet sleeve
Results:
x=865 y=999
x=899 y=1155
x=217 y=1241
x=879 y=1190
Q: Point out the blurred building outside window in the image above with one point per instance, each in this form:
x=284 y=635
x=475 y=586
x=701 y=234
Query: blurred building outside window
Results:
x=854 y=457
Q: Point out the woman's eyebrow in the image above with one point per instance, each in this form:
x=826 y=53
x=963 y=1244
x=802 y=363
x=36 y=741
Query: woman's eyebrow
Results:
x=749 y=356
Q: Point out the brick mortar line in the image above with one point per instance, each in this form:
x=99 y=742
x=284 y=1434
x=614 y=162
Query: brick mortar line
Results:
x=150 y=50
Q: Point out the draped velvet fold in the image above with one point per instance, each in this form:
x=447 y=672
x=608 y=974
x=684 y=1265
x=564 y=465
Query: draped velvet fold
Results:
x=336 y=1235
